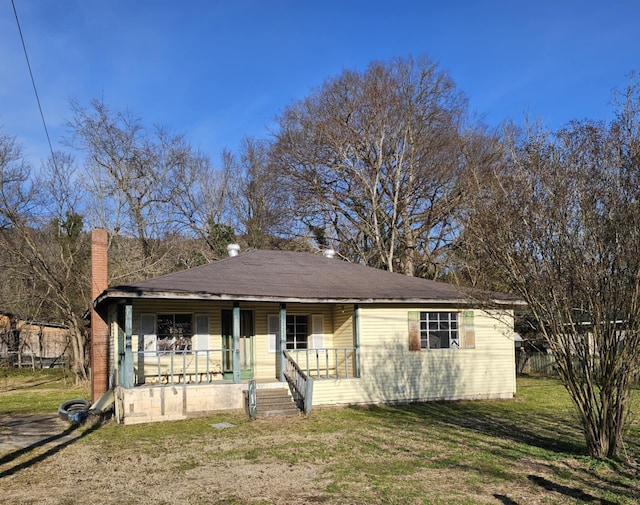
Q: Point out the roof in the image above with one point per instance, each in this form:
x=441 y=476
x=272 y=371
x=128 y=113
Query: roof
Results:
x=286 y=276
x=32 y=322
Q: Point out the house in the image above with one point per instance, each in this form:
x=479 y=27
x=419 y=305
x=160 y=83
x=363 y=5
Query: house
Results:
x=331 y=332
x=27 y=343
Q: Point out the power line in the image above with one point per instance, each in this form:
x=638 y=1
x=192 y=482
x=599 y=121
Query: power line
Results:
x=33 y=82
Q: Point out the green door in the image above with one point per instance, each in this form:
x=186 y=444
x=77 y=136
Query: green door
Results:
x=246 y=344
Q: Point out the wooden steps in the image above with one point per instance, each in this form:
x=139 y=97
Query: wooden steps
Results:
x=275 y=402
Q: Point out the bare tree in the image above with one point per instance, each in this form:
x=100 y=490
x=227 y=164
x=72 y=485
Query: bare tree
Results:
x=260 y=200
x=198 y=196
x=374 y=159
x=16 y=204
x=484 y=156
x=128 y=170
x=149 y=186
x=15 y=192
x=559 y=224
x=42 y=232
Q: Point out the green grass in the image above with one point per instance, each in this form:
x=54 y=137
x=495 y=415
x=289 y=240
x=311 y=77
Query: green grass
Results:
x=364 y=450
x=525 y=450
x=25 y=391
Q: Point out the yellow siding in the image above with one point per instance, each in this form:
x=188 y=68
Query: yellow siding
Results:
x=390 y=372
x=264 y=361
x=343 y=329
x=265 y=367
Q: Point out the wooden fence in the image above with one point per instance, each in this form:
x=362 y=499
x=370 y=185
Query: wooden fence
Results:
x=544 y=364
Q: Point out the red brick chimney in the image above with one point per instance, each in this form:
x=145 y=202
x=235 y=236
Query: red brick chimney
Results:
x=99 y=327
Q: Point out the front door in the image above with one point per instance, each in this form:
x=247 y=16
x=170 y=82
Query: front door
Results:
x=246 y=344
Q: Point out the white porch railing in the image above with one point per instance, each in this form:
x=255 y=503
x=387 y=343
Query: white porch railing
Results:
x=208 y=366
x=327 y=363
x=178 y=367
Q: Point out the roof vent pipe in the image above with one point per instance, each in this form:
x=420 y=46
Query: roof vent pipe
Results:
x=328 y=253
x=233 y=250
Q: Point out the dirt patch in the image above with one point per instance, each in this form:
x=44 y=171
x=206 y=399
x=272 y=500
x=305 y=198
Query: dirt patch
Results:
x=33 y=430
x=148 y=479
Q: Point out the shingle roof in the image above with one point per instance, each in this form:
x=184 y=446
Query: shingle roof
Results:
x=287 y=276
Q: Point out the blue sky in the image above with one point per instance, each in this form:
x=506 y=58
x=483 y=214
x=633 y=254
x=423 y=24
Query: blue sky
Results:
x=220 y=70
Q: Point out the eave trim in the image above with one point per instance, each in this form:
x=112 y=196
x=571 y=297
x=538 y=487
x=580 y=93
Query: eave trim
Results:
x=169 y=295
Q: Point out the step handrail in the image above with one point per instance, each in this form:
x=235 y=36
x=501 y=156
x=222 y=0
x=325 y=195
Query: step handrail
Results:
x=301 y=385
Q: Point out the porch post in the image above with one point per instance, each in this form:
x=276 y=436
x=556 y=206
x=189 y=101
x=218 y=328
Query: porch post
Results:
x=281 y=343
x=119 y=319
x=356 y=337
x=127 y=376
x=236 y=343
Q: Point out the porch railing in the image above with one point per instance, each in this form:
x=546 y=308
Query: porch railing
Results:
x=178 y=366
x=327 y=363
x=300 y=383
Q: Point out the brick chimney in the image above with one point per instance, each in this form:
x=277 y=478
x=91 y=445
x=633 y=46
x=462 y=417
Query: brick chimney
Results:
x=99 y=327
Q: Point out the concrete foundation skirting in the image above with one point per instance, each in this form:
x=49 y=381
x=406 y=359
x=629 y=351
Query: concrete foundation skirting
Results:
x=174 y=402
x=148 y=404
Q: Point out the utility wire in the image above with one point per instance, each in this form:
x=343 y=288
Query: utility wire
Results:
x=33 y=82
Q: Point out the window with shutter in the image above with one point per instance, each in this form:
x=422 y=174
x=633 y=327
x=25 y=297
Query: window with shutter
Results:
x=433 y=330
x=301 y=332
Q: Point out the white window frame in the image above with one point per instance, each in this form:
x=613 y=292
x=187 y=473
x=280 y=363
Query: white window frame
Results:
x=296 y=338
x=443 y=324
x=315 y=336
x=174 y=314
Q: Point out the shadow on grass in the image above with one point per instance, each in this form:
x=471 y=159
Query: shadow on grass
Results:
x=519 y=436
x=30 y=385
x=60 y=441
x=550 y=433
x=505 y=499
x=570 y=492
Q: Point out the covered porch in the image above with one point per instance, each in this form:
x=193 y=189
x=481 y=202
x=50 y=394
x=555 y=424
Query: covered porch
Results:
x=229 y=345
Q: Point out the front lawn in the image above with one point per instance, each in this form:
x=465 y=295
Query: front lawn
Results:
x=26 y=391
x=522 y=451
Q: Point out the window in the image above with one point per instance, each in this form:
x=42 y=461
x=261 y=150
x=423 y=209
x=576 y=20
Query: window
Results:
x=297 y=332
x=174 y=332
x=439 y=330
